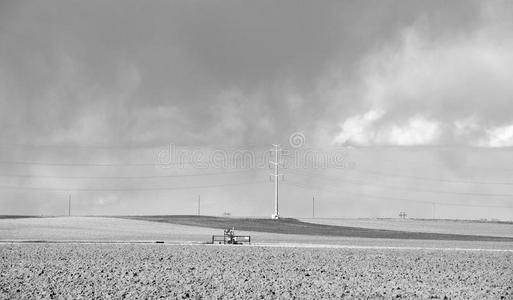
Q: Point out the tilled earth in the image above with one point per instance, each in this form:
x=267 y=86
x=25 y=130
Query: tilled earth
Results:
x=154 y=271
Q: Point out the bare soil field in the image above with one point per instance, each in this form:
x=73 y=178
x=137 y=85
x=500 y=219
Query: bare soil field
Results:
x=97 y=228
x=16 y=217
x=466 y=227
x=294 y=226
x=152 y=271
x=104 y=229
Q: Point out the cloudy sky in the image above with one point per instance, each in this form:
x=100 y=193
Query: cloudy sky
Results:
x=418 y=95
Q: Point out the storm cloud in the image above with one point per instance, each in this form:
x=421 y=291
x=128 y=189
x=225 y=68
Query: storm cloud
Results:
x=429 y=87
x=117 y=81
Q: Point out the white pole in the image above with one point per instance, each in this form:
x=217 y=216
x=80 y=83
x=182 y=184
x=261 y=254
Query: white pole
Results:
x=276 y=175
x=276 y=213
x=313 y=207
x=199 y=205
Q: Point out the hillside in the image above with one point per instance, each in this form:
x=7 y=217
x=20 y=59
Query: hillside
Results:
x=294 y=226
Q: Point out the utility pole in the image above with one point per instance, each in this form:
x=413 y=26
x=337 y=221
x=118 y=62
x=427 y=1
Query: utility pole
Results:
x=433 y=207
x=277 y=150
x=199 y=205
x=69 y=205
x=313 y=206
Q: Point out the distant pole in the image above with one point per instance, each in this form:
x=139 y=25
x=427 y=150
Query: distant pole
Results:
x=313 y=207
x=434 y=207
x=69 y=206
x=199 y=205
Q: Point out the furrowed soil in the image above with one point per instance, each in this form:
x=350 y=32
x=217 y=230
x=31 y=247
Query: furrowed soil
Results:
x=103 y=229
x=208 y=271
x=466 y=227
x=294 y=226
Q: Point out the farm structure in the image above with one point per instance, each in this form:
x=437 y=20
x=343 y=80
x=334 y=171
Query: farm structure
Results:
x=229 y=237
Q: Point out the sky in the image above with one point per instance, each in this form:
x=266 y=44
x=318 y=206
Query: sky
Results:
x=415 y=96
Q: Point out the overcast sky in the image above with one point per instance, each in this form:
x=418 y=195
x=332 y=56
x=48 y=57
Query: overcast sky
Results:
x=404 y=88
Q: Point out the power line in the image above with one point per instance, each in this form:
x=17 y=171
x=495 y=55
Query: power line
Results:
x=125 y=146
x=297 y=184
x=128 y=177
x=396 y=198
x=127 y=189
x=417 y=165
x=82 y=146
x=409 y=189
x=82 y=164
x=214 y=159
x=387 y=174
x=166 y=144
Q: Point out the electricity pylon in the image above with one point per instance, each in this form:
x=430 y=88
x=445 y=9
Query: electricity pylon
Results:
x=277 y=162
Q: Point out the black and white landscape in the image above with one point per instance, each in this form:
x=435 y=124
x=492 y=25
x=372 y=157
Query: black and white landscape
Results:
x=334 y=149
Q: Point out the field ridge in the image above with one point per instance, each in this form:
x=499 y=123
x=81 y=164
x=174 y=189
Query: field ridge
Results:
x=294 y=226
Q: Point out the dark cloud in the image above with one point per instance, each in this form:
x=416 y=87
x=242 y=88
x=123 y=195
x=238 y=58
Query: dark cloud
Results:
x=244 y=75
x=444 y=89
x=62 y=58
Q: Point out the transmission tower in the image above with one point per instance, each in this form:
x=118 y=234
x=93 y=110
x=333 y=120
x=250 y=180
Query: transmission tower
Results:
x=276 y=163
